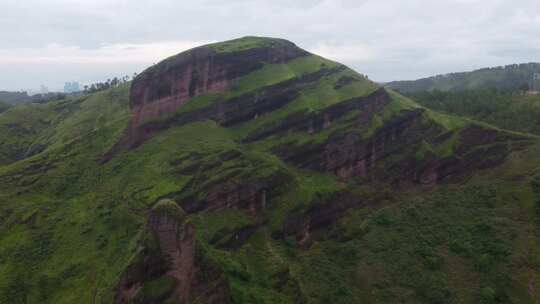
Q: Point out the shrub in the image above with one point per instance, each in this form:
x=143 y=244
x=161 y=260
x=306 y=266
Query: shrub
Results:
x=488 y=295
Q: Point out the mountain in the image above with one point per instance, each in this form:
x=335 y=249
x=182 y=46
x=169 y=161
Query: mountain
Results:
x=17 y=98
x=506 y=78
x=252 y=171
x=506 y=97
x=508 y=110
x=14 y=97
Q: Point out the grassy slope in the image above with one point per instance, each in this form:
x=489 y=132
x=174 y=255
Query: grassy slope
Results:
x=30 y=128
x=245 y=43
x=71 y=225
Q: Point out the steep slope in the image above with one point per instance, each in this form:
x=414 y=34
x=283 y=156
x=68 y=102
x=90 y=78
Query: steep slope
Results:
x=28 y=129
x=508 y=78
x=251 y=171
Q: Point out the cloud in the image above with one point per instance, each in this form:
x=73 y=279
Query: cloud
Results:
x=343 y=53
x=104 y=54
x=387 y=40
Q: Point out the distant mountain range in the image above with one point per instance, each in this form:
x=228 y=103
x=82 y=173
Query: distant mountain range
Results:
x=508 y=78
x=14 y=97
x=506 y=97
x=17 y=98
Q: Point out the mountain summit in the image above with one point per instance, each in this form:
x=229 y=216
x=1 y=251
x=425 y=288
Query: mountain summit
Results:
x=252 y=171
x=162 y=89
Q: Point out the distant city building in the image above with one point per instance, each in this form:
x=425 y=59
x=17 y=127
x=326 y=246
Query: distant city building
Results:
x=71 y=87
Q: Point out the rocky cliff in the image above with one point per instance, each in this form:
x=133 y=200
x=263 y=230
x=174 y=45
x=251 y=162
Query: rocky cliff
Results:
x=161 y=90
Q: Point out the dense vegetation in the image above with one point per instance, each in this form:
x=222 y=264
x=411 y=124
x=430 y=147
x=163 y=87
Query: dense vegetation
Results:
x=105 y=85
x=3 y=106
x=507 y=110
x=508 y=78
x=71 y=224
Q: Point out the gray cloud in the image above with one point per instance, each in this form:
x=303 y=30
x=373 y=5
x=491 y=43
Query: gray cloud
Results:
x=49 y=42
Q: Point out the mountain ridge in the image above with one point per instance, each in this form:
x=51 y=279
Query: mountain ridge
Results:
x=509 y=78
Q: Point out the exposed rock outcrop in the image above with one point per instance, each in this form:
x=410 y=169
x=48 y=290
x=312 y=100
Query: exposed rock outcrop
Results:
x=175 y=258
x=320 y=214
x=317 y=121
x=252 y=195
x=349 y=155
x=162 y=89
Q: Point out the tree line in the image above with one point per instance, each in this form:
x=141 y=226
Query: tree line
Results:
x=110 y=83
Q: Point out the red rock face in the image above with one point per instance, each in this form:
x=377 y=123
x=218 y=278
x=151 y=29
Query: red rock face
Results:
x=177 y=244
x=250 y=195
x=162 y=89
x=177 y=258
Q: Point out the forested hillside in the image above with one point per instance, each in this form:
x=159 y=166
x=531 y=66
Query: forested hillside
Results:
x=507 y=110
x=507 y=78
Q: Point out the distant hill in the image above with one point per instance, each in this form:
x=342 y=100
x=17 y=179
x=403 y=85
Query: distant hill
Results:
x=507 y=78
x=14 y=97
x=17 y=98
x=506 y=110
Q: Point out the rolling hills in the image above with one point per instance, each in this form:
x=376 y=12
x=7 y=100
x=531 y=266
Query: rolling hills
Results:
x=503 y=96
x=508 y=110
x=14 y=97
x=506 y=78
x=252 y=171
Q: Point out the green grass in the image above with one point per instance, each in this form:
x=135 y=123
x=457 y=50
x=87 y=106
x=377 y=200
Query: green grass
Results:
x=30 y=128
x=313 y=99
x=407 y=251
x=272 y=74
x=268 y=75
x=156 y=290
x=245 y=43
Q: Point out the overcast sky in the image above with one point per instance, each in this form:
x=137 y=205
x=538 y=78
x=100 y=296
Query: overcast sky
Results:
x=52 y=41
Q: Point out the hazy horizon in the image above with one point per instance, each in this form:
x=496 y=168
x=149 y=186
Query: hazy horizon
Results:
x=59 y=41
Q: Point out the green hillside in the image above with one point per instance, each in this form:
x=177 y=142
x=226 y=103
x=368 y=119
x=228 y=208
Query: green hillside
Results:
x=3 y=106
x=506 y=78
x=512 y=111
x=300 y=182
